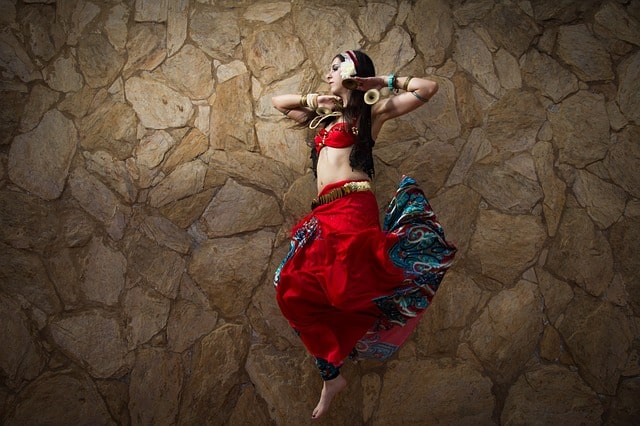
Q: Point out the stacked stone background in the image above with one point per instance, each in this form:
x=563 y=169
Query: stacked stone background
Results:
x=147 y=188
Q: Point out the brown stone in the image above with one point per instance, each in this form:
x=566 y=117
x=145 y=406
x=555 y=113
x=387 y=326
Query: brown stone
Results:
x=40 y=101
x=154 y=392
x=581 y=253
x=68 y=397
x=161 y=268
x=146 y=47
x=99 y=202
x=432 y=24
x=236 y=209
x=93 y=339
x=598 y=336
x=457 y=299
x=229 y=269
x=515 y=316
x=187 y=323
x=448 y=391
x=21 y=358
x=625 y=243
x=146 y=311
x=250 y=401
x=103 y=273
x=580 y=139
x=41 y=168
x=165 y=233
x=23 y=274
x=99 y=61
x=627 y=90
x=603 y=201
x=553 y=349
x=215 y=371
x=513 y=122
x=113 y=172
x=110 y=127
x=623 y=159
x=538 y=66
x=26 y=221
x=457 y=210
x=189 y=71
x=551 y=394
x=233 y=99
x=473 y=55
x=556 y=293
x=186 y=179
x=311 y=20
x=157 y=106
x=552 y=186
x=284 y=379
x=506 y=245
x=265 y=49
x=189 y=148
x=504 y=189
x=584 y=53
x=215 y=32
x=522 y=29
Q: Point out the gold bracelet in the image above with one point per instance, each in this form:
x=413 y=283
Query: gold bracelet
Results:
x=303 y=100
x=405 y=86
x=312 y=100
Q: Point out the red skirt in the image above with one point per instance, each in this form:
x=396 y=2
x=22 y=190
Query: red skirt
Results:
x=346 y=282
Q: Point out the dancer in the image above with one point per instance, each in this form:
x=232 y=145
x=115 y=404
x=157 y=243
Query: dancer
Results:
x=347 y=286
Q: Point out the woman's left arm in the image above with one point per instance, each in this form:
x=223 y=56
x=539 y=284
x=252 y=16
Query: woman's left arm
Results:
x=414 y=92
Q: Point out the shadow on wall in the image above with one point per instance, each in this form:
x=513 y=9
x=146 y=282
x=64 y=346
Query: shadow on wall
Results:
x=147 y=189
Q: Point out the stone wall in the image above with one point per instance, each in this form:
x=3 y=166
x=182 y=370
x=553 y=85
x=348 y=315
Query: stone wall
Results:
x=147 y=187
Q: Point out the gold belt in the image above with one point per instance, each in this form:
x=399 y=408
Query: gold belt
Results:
x=340 y=192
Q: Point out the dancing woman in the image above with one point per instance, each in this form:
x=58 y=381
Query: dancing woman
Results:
x=349 y=287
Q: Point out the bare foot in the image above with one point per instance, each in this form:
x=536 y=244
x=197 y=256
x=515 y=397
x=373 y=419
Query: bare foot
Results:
x=330 y=388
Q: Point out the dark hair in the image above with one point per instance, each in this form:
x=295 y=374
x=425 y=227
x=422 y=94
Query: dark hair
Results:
x=357 y=111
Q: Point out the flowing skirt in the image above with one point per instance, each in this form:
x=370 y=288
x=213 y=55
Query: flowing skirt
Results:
x=350 y=287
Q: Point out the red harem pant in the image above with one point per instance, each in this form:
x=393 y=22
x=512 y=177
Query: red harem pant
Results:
x=346 y=281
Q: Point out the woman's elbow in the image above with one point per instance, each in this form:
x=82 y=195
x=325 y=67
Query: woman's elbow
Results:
x=433 y=89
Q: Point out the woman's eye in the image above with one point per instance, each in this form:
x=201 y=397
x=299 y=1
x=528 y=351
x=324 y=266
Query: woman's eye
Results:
x=335 y=67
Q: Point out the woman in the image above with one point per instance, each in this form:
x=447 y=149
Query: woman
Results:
x=348 y=287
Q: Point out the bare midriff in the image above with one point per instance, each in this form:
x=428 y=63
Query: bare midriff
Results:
x=333 y=166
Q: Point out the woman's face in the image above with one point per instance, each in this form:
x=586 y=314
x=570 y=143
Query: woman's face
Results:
x=333 y=77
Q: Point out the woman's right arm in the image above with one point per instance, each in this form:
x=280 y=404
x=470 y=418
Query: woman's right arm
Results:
x=297 y=107
x=291 y=106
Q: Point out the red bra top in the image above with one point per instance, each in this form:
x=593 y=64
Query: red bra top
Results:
x=338 y=136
